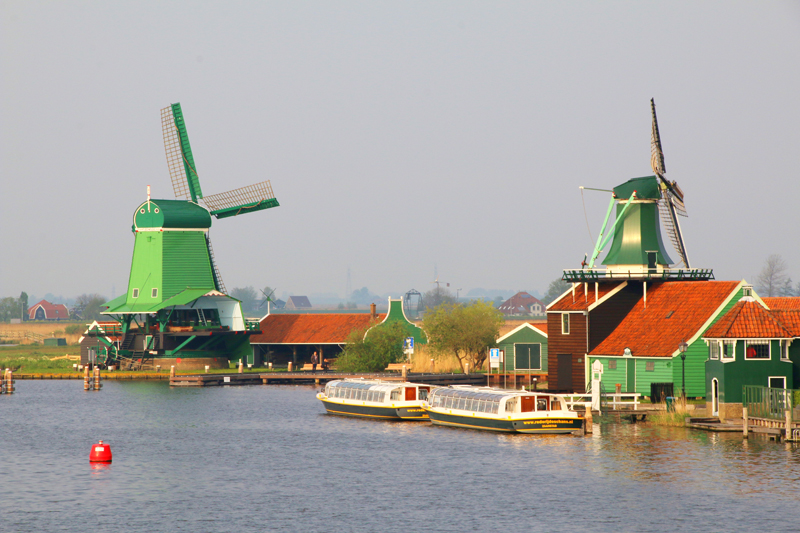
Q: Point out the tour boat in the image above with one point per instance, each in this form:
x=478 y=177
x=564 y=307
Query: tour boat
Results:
x=389 y=400
x=493 y=409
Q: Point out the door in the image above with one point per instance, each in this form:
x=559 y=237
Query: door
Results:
x=411 y=394
x=630 y=373
x=527 y=404
x=565 y=371
x=714 y=397
x=652 y=257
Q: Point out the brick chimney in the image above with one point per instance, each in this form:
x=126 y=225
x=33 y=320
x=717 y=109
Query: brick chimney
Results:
x=372 y=311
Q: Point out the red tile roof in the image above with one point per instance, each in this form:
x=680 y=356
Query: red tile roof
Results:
x=790 y=318
x=582 y=299
x=783 y=302
x=675 y=312
x=748 y=320
x=51 y=311
x=311 y=328
x=541 y=326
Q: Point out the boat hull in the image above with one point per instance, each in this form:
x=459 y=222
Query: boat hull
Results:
x=375 y=411
x=538 y=425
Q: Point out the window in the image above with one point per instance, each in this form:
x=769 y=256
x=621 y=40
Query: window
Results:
x=650 y=366
x=778 y=382
x=528 y=356
x=784 y=350
x=154 y=293
x=713 y=350
x=135 y=293
x=541 y=404
x=565 y=323
x=511 y=403
x=747 y=291
x=612 y=364
x=757 y=349
x=729 y=350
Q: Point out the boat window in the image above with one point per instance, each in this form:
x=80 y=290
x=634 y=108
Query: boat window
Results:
x=555 y=405
x=470 y=404
x=423 y=394
x=395 y=396
x=541 y=404
x=462 y=403
x=448 y=402
x=495 y=405
x=481 y=406
x=511 y=403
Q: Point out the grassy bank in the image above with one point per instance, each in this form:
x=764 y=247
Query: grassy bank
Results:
x=35 y=359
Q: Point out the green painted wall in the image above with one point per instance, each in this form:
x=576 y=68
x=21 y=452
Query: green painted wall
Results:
x=146 y=268
x=185 y=262
x=661 y=373
x=523 y=336
x=395 y=314
x=611 y=377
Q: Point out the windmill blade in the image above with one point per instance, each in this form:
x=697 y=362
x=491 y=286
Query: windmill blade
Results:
x=214 y=268
x=243 y=200
x=180 y=161
x=267 y=297
x=656 y=153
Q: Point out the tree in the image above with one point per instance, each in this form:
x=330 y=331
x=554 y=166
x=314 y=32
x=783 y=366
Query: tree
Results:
x=436 y=297
x=774 y=280
x=465 y=331
x=248 y=296
x=9 y=308
x=363 y=296
x=87 y=307
x=556 y=288
x=371 y=350
x=23 y=304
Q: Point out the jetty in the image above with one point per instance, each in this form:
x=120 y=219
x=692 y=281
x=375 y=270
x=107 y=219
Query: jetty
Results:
x=305 y=377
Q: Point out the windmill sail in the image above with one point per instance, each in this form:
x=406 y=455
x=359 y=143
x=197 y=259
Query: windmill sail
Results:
x=671 y=203
x=243 y=200
x=180 y=161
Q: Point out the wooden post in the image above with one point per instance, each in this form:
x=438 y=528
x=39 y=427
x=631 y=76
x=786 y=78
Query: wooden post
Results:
x=788 y=424
x=241 y=366
x=433 y=366
x=86 y=378
x=97 y=384
x=466 y=368
x=745 y=422
x=290 y=366
x=587 y=421
x=172 y=372
x=404 y=373
x=9 y=381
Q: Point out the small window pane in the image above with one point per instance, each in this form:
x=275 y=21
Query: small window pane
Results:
x=757 y=350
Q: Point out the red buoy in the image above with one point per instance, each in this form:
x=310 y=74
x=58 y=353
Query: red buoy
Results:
x=101 y=453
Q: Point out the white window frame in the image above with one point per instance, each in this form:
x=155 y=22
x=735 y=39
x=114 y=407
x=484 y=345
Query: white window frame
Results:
x=770 y=378
x=540 y=356
x=714 y=350
x=135 y=293
x=758 y=342
x=732 y=355
x=565 y=322
x=784 y=344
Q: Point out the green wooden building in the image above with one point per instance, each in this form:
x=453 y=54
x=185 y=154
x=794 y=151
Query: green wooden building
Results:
x=524 y=349
x=755 y=343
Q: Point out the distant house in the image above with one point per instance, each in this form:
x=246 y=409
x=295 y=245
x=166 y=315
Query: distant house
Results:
x=522 y=303
x=524 y=351
x=295 y=303
x=44 y=310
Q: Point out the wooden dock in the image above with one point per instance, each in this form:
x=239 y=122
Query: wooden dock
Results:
x=252 y=378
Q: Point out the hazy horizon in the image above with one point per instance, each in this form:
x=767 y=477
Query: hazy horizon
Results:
x=402 y=140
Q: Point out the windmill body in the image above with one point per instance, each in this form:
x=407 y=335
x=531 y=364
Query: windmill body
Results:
x=176 y=310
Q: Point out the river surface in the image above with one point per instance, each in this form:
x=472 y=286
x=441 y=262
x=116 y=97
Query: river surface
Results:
x=268 y=458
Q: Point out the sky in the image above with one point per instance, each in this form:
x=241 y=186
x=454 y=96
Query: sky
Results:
x=402 y=139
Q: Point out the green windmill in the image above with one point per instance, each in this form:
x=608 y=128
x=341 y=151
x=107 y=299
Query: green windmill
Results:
x=176 y=310
x=637 y=250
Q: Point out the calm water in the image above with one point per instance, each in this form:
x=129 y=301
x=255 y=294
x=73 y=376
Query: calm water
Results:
x=268 y=458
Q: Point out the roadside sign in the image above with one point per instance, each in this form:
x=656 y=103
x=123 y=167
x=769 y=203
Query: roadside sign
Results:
x=494 y=358
x=408 y=346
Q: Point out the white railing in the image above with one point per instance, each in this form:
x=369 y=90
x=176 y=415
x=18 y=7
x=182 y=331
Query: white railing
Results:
x=622 y=400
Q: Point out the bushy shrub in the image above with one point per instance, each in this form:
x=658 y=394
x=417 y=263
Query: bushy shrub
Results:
x=381 y=346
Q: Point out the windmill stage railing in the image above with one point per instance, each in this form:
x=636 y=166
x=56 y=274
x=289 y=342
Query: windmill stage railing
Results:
x=673 y=274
